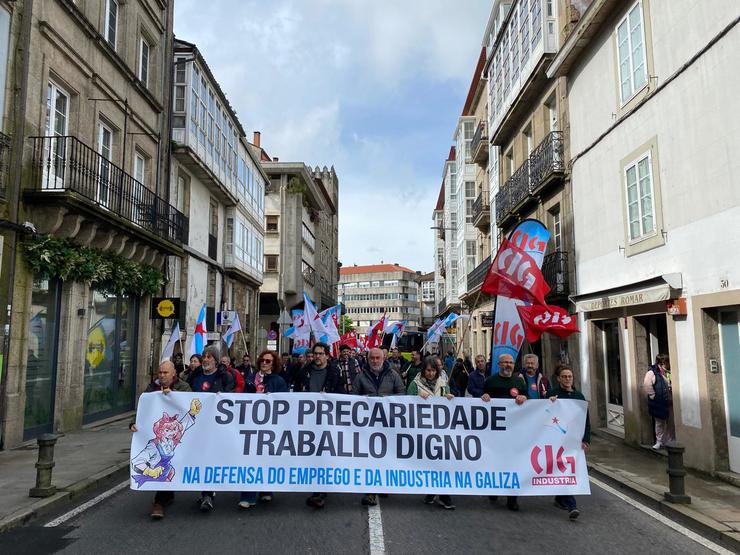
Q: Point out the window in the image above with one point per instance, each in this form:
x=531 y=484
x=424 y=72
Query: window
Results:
x=144 y=62
x=536 y=22
x=271 y=262
x=308 y=238
x=631 y=53
x=271 y=224
x=111 y=22
x=470 y=255
x=640 y=201
x=139 y=168
x=557 y=234
x=552 y=113
x=469 y=200
x=105 y=149
x=179 y=98
x=391 y=283
x=469 y=131
x=524 y=26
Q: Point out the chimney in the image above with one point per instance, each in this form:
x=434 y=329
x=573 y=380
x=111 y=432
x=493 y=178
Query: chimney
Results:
x=256 y=140
x=275 y=159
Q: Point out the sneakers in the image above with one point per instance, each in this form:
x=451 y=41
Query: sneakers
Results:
x=206 y=503
x=316 y=501
x=429 y=499
x=446 y=502
x=574 y=514
x=266 y=497
x=245 y=505
x=512 y=504
x=369 y=500
x=157 y=512
x=658 y=445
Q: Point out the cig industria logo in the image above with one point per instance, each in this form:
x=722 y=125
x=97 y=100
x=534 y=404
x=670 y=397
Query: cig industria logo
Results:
x=551 y=467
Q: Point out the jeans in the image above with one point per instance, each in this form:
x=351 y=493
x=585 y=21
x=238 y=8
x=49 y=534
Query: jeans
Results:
x=567 y=501
x=164 y=497
x=248 y=496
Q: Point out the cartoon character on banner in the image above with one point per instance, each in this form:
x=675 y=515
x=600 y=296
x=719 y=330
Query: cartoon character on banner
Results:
x=153 y=463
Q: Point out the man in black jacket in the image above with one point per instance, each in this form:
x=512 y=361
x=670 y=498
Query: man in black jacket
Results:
x=320 y=377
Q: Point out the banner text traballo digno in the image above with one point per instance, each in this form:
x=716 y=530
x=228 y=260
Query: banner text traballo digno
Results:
x=345 y=443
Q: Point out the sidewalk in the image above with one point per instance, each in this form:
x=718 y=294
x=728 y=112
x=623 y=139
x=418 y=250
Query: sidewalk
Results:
x=715 y=504
x=83 y=460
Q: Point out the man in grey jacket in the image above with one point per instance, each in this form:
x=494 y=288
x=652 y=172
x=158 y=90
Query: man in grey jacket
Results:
x=377 y=380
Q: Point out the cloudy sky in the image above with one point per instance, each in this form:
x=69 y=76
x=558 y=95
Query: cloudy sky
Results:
x=373 y=87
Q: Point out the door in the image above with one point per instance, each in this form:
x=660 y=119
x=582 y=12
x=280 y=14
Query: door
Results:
x=612 y=376
x=110 y=358
x=55 y=131
x=730 y=344
x=105 y=140
x=41 y=358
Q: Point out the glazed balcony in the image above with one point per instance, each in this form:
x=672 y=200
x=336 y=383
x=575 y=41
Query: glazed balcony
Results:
x=476 y=277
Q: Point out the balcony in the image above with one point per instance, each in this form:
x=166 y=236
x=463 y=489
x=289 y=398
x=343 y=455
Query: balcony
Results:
x=86 y=179
x=482 y=211
x=441 y=306
x=555 y=272
x=4 y=156
x=544 y=166
x=479 y=145
x=476 y=277
x=309 y=276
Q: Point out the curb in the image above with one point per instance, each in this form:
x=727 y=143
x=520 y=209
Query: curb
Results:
x=64 y=495
x=708 y=527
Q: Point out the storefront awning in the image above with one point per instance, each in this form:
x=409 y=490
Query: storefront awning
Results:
x=660 y=288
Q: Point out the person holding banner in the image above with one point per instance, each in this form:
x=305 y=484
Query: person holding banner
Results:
x=537 y=383
x=505 y=385
x=377 y=380
x=166 y=382
x=566 y=390
x=211 y=377
x=348 y=368
x=477 y=377
x=266 y=380
x=429 y=383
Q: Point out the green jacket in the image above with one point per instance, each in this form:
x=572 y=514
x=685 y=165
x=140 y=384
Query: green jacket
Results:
x=574 y=394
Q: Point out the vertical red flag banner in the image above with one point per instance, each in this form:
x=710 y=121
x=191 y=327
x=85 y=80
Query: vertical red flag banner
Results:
x=546 y=319
x=515 y=274
x=531 y=237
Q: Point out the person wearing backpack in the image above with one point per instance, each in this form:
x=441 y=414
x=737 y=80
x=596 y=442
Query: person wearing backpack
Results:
x=657 y=386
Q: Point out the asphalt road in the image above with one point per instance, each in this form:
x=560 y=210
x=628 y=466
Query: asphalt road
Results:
x=120 y=524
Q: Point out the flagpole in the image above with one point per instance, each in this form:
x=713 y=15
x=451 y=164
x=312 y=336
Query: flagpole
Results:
x=244 y=340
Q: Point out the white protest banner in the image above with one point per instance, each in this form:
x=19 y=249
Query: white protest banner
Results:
x=345 y=443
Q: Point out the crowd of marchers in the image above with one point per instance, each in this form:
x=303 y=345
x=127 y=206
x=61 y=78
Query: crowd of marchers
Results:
x=376 y=373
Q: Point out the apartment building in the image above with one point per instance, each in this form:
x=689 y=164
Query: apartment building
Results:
x=427 y=299
x=86 y=101
x=218 y=181
x=655 y=212
x=369 y=292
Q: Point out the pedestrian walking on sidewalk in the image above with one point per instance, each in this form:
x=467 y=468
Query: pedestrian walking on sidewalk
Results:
x=429 y=383
x=657 y=386
x=166 y=382
x=505 y=385
x=566 y=390
x=377 y=380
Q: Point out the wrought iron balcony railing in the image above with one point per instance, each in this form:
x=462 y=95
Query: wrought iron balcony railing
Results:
x=476 y=277
x=546 y=160
x=479 y=144
x=65 y=163
x=481 y=210
x=4 y=158
x=555 y=272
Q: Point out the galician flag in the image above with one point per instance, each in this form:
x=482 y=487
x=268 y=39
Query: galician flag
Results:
x=169 y=347
x=314 y=320
x=235 y=326
x=198 y=343
x=329 y=318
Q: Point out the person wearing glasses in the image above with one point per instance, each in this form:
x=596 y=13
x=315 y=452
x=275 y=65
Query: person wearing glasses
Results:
x=267 y=379
x=319 y=377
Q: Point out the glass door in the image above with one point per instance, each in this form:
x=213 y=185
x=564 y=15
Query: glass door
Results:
x=730 y=343
x=110 y=359
x=612 y=376
x=55 y=130
x=41 y=360
x=105 y=137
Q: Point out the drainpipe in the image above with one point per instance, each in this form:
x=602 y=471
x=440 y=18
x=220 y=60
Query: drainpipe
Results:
x=16 y=161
